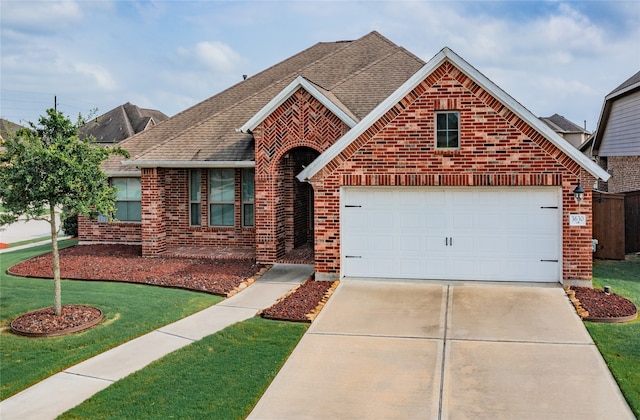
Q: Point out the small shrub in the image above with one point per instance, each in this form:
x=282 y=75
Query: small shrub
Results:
x=69 y=223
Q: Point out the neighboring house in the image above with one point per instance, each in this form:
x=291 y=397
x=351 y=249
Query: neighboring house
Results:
x=121 y=123
x=566 y=129
x=8 y=128
x=615 y=145
x=390 y=166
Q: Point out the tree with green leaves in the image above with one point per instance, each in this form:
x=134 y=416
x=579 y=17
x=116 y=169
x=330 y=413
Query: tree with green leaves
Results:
x=47 y=166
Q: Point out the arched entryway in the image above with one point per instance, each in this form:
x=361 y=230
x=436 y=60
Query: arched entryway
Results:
x=295 y=207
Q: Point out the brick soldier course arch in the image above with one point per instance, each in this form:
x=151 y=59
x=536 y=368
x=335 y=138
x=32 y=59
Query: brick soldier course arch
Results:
x=287 y=140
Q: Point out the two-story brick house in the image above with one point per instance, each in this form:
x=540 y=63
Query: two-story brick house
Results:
x=390 y=166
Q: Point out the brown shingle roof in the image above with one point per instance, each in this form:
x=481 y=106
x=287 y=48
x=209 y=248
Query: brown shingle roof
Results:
x=560 y=124
x=356 y=74
x=120 y=123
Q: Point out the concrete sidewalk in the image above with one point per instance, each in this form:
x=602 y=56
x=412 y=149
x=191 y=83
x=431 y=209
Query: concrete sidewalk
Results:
x=65 y=390
x=448 y=350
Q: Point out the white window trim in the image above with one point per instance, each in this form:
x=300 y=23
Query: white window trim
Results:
x=435 y=126
x=129 y=200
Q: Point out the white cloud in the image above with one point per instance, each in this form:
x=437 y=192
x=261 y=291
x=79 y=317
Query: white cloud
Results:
x=212 y=55
x=41 y=15
x=98 y=74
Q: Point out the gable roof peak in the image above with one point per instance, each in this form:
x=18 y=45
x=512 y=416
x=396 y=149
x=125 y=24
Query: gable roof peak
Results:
x=312 y=88
x=447 y=54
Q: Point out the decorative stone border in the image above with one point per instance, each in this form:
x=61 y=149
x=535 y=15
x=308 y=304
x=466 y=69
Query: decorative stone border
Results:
x=571 y=294
x=314 y=313
x=58 y=333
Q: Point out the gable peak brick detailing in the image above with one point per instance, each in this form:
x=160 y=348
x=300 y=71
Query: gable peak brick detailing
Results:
x=440 y=86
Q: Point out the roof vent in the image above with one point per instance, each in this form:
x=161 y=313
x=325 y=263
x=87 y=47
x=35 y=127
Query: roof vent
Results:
x=244 y=77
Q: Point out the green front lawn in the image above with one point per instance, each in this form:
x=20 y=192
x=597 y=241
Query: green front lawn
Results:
x=130 y=310
x=620 y=343
x=219 y=377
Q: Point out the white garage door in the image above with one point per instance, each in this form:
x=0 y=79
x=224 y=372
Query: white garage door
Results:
x=500 y=234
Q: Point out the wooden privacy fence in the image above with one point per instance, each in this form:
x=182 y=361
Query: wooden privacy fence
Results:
x=616 y=224
x=632 y=221
x=609 y=225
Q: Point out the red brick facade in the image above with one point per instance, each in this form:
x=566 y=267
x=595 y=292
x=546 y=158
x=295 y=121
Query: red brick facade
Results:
x=497 y=148
x=128 y=233
x=285 y=141
x=165 y=217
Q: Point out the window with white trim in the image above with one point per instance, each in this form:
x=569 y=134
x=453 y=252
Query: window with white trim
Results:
x=195 y=205
x=221 y=197
x=447 y=130
x=128 y=199
x=248 y=206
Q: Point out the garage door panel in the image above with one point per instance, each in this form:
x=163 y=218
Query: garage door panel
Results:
x=410 y=243
x=496 y=233
x=384 y=266
x=435 y=268
x=410 y=267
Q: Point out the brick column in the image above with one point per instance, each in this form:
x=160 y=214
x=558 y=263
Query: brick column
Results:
x=153 y=220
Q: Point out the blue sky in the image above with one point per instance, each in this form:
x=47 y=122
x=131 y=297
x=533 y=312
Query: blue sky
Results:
x=552 y=56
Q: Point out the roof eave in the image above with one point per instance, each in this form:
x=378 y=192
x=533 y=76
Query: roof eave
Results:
x=116 y=174
x=622 y=92
x=280 y=98
x=478 y=78
x=190 y=164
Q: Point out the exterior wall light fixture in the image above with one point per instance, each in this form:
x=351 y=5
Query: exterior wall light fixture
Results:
x=578 y=193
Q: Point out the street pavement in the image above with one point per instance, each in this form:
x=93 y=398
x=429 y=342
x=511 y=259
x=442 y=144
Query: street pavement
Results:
x=23 y=230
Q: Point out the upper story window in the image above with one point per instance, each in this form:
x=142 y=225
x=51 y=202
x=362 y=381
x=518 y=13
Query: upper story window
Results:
x=248 y=213
x=195 y=209
x=447 y=130
x=128 y=200
x=221 y=197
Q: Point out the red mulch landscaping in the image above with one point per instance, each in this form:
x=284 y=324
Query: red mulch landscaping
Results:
x=303 y=303
x=600 y=305
x=44 y=322
x=125 y=263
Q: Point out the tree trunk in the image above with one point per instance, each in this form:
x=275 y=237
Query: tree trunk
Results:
x=57 y=294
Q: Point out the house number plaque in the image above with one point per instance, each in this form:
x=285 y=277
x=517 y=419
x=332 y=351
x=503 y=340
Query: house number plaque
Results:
x=577 y=220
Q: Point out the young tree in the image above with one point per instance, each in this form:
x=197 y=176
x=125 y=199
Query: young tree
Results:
x=48 y=166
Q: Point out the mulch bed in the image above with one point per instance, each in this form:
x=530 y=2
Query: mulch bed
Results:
x=125 y=263
x=303 y=303
x=596 y=305
x=45 y=323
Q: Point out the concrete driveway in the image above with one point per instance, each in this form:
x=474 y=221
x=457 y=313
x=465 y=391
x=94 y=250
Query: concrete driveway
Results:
x=435 y=350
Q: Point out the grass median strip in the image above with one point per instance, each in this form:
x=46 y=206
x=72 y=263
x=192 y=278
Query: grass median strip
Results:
x=619 y=344
x=219 y=377
x=129 y=311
